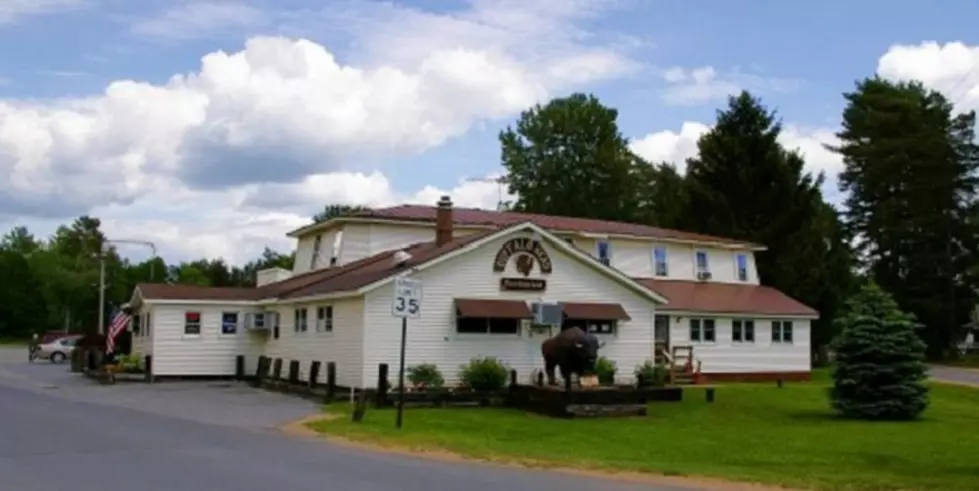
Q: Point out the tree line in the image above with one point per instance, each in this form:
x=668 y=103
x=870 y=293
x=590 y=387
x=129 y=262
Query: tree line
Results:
x=909 y=221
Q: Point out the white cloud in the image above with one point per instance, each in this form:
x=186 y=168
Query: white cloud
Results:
x=13 y=10
x=221 y=161
x=951 y=68
x=704 y=84
x=198 y=20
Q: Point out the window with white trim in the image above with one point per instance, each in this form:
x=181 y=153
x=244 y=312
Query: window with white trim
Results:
x=229 y=323
x=660 y=267
x=324 y=318
x=603 y=251
x=782 y=332
x=487 y=325
x=702 y=331
x=743 y=331
x=192 y=323
x=299 y=324
x=741 y=266
x=701 y=262
x=316 y=251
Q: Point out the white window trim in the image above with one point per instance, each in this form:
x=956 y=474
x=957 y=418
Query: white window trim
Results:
x=754 y=332
x=200 y=325
x=666 y=261
x=237 y=324
x=609 y=249
x=484 y=335
x=781 y=330
x=747 y=272
x=696 y=267
x=314 y=257
x=300 y=327
x=327 y=319
x=701 y=330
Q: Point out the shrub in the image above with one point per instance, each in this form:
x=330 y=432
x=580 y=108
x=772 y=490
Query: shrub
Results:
x=131 y=363
x=425 y=376
x=650 y=373
x=485 y=373
x=605 y=369
x=879 y=360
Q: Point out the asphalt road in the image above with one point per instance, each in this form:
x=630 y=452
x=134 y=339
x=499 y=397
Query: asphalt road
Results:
x=58 y=431
x=967 y=376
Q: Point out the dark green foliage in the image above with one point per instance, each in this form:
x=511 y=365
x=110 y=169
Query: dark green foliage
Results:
x=654 y=374
x=333 y=211
x=485 y=373
x=879 y=360
x=911 y=175
x=758 y=191
x=426 y=376
x=605 y=370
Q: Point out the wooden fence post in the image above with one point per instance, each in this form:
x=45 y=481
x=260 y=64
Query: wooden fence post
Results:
x=513 y=378
x=258 y=370
x=240 y=367
x=312 y=380
x=540 y=379
x=331 y=382
x=277 y=370
x=382 y=385
x=293 y=372
x=148 y=368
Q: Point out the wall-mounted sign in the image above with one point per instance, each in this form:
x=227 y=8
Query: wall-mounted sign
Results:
x=523 y=284
x=527 y=252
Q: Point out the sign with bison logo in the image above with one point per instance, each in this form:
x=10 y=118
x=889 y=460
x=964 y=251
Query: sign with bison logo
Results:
x=527 y=253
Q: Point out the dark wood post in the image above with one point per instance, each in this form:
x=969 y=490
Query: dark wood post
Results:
x=277 y=370
x=709 y=392
x=639 y=380
x=778 y=382
x=382 y=385
x=148 y=368
x=293 y=372
x=240 y=367
x=331 y=382
x=540 y=379
x=312 y=380
x=513 y=378
x=360 y=406
x=258 y=371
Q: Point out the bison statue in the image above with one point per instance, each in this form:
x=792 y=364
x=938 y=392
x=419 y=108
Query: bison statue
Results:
x=573 y=351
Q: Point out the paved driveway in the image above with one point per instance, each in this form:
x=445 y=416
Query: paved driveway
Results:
x=966 y=376
x=59 y=431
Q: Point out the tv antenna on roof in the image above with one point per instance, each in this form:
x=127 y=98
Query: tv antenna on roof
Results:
x=500 y=181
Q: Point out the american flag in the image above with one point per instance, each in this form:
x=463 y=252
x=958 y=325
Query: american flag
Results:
x=120 y=320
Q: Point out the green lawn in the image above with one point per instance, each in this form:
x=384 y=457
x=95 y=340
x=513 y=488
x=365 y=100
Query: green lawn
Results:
x=755 y=433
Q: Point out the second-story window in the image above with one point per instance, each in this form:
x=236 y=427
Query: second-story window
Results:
x=316 y=251
x=603 y=250
x=659 y=261
x=337 y=246
x=741 y=265
x=701 y=263
x=299 y=322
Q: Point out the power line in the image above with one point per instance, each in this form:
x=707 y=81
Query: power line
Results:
x=500 y=181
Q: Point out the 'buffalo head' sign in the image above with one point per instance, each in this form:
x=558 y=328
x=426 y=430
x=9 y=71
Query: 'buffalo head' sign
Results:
x=527 y=251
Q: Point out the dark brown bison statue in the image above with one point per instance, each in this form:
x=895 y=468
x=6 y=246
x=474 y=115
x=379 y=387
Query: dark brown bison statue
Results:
x=573 y=351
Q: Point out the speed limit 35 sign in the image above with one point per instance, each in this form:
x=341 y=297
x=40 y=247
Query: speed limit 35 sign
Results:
x=407 y=300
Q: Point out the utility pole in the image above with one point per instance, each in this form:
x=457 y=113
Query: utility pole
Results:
x=102 y=289
x=500 y=181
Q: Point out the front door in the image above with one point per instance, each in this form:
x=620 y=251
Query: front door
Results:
x=661 y=336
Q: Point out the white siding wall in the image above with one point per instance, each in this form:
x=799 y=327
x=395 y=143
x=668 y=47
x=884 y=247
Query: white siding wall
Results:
x=433 y=338
x=727 y=356
x=344 y=345
x=305 y=252
x=635 y=258
x=209 y=354
x=143 y=343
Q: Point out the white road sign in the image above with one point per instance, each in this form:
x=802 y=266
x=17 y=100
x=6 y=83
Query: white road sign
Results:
x=407 y=298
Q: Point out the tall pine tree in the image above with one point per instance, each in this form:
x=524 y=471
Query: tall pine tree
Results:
x=910 y=171
x=744 y=184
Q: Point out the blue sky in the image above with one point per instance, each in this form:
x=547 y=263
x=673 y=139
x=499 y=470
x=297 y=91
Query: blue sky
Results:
x=260 y=164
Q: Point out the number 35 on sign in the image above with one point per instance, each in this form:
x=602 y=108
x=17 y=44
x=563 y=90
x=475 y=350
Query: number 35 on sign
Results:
x=407 y=300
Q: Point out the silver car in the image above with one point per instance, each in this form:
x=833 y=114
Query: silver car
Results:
x=58 y=350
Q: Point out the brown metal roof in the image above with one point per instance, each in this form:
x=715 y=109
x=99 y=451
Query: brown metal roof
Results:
x=594 y=311
x=498 y=309
x=166 y=291
x=698 y=296
x=479 y=217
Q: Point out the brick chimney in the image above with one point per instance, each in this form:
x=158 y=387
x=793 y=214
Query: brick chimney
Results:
x=443 y=221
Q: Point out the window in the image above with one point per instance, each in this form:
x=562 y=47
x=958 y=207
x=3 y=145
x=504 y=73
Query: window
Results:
x=741 y=263
x=258 y=320
x=569 y=240
x=192 y=323
x=602 y=327
x=316 y=251
x=781 y=331
x=659 y=261
x=482 y=325
x=743 y=331
x=147 y=324
x=702 y=330
x=229 y=323
x=299 y=324
x=136 y=324
x=701 y=262
x=69 y=342
x=324 y=319
x=604 y=252
x=337 y=245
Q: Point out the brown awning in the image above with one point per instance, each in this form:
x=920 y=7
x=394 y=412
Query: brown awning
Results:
x=595 y=311
x=496 y=309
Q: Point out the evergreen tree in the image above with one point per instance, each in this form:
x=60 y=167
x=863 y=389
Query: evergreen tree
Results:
x=879 y=360
x=910 y=174
x=745 y=185
x=569 y=158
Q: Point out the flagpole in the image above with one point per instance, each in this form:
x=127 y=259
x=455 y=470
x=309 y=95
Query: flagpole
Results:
x=102 y=291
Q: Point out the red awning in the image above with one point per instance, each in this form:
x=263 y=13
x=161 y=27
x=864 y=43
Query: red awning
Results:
x=594 y=311
x=496 y=309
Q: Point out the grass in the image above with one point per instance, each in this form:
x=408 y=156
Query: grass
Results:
x=757 y=433
x=4 y=341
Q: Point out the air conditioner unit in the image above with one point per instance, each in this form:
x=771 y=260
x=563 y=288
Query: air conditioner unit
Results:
x=703 y=275
x=548 y=313
x=257 y=321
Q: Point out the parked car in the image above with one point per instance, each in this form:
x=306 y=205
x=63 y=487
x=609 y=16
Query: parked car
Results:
x=57 y=350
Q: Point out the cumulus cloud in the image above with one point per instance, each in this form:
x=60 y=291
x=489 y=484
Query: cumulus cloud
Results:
x=199 y=19
x=13 y=10
x=704 y=84
x=951 y=68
